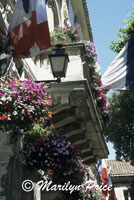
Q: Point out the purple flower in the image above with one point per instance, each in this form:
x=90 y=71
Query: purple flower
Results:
x=28 y=97
x=49 y=96
x=39 y=100
x=14 y=95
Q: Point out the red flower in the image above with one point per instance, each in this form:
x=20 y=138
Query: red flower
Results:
x=7 y=117
x=2 y=118
x=51 y=159
x=40 y=120
x=52 y=126
x=3 y=103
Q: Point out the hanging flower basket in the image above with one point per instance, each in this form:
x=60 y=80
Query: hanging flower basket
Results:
x=57 y=156
x=22 y=103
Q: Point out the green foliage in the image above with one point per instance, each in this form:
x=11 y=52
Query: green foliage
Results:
x=62 y=33
x=124 y=34
x=38 y=131
x=120 y=130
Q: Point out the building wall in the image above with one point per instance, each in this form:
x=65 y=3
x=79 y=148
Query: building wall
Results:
x=119 y=192
x=75 y=69
x=58 y=14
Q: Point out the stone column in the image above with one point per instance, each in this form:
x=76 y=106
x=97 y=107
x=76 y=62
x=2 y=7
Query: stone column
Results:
x=5 y=154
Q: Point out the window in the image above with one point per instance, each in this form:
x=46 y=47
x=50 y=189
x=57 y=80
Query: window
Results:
x=71 y=13
x=131 y=192
x=126 y=194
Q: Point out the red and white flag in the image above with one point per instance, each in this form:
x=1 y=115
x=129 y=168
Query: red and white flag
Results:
x=104 y=173
x=112 y=194
x=28 y=30
x=104 y=177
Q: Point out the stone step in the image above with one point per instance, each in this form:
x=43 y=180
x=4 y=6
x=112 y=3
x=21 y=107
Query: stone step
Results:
x=63 y=114
x=87 y=154
x=76 y=138
x=64 y=122
x=60 y=107
x=73 y=132
x=90 y=161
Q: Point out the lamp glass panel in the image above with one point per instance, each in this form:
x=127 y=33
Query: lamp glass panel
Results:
x=58 y=63
x=65 y=65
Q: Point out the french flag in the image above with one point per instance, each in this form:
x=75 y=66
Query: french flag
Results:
x=99 y=166
x=120 y=74
x=104 y=173
x=28 y=30
x=102 y=170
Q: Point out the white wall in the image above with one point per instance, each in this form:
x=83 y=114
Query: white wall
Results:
x=119 y=193
x=74 y=70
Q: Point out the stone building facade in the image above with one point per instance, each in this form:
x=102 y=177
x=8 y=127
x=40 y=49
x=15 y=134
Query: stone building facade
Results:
x=122 y=175
x=74 y=110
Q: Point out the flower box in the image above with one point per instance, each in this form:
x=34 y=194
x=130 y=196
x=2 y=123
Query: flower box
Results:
x=63 y=42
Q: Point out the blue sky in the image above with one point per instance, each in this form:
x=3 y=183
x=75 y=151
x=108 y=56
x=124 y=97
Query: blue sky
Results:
x=106 y=16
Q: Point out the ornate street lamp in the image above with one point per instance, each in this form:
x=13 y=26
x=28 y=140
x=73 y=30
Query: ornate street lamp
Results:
x=59 y=60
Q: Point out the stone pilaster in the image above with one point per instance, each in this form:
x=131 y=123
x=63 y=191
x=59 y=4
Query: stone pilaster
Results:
x=6 y=152
x=65 y=13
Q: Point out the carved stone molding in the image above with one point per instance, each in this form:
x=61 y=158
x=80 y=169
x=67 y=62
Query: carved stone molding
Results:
x=50 y=3
x=65 y=13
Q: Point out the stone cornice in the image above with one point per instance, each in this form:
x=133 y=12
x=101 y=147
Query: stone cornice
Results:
x=87 y=19
x=76 y=117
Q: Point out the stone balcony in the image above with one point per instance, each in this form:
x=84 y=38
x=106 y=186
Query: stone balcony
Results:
x=75 y=114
